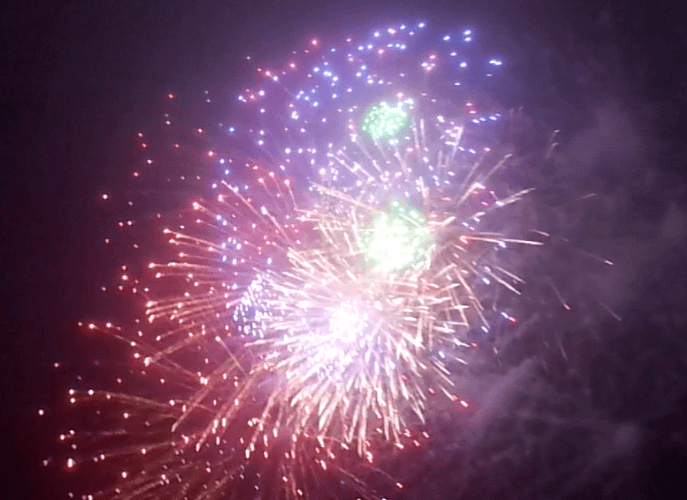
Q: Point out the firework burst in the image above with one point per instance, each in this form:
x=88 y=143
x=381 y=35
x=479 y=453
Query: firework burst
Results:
x=319 y=299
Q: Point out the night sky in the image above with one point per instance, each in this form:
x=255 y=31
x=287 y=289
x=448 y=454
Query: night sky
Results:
x=79 y=79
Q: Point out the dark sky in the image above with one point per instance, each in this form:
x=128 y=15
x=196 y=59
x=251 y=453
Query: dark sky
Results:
x=80 y=78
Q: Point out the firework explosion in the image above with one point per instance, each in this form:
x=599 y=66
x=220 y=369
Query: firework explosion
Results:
x=326 y=291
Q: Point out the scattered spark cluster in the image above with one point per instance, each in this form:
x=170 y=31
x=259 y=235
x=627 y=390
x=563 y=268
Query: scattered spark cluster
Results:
x=383 y=121
x=398 y=239
x=315 y=305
